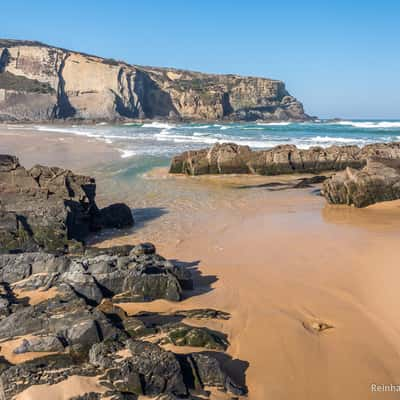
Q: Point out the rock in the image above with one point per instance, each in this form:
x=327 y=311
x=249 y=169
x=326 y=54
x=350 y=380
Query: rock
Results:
x=181 y=334
x=208 y=372
x=40 y=344
x=378 y=181
x=308 y=182
x=203 y=313
x=4 y=364
x=83 y=283
x=41 y=82
x=50 y=208
x=230 y=158
x=143 y=248
x=6 y=300
x=116 y=216
x=47 y=370
x=87 y=396
x=159 y=369
x=138 y=274
x=66 y=316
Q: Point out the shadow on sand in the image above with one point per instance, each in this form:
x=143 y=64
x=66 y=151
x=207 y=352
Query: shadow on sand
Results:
x=202 y=283
x=143 y=215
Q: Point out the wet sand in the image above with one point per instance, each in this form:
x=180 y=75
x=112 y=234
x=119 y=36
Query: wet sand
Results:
x=54 y=148
x=285 y=265
x=285 y=268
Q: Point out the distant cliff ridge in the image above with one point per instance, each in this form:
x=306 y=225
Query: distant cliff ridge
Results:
x=41 y=82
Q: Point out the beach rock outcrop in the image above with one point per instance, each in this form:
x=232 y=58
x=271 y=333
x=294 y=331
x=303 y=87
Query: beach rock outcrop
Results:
x=378 y=181
x=50 y=208
x=127 y=277
x=41 y=82
x=87 y=334
x=230 y=158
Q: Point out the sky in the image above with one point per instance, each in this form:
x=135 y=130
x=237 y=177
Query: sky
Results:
x=340 y=58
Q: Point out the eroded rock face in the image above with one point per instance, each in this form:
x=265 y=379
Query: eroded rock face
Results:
x=378 y=181
x=230 y=158
x=49 y=208
x=127 y=276
x=40 y=82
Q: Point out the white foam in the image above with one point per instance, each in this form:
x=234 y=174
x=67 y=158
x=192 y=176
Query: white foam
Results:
x=158 y=125
x=126 y=153
x=274 y=123
x=369 y=124
x=328 y=139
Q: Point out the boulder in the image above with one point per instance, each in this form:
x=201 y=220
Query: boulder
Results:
x=378 y=181
x=116 y=216
x=50 y=208
x=181 y=334
x=158 y=369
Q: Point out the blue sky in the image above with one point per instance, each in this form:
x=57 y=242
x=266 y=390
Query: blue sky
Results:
x=340 y=58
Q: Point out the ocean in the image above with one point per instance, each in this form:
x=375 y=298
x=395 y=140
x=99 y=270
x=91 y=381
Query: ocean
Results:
x=163 y=203
x=146 y=145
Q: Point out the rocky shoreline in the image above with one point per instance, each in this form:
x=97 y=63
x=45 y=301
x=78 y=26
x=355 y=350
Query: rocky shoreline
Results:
x=75 y=325
x=371 y=173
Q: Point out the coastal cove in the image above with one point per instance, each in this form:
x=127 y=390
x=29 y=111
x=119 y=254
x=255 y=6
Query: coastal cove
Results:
x=311 y=287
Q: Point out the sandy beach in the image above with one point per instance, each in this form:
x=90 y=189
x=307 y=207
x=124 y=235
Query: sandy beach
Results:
x=312 y=288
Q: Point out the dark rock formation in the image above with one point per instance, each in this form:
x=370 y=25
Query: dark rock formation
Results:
x=130 y=275
x=92 y=336
x=44 y=211
x=40 y=82
x=378 y=181
x=50 y=208
x=230 y=158
x=181 y=334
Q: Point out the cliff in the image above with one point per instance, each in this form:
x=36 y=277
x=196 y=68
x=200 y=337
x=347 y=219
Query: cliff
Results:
x=41 y=82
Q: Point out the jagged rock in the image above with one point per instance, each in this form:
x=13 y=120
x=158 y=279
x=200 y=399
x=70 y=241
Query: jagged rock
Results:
x=208 y=372
x=50 y=208
x=159 y=369
x=4 y=364
x=132 y=276
x=143 y=248
x=40 y=344
x=181 y=334
x=47 y=370
x=378 y=181
x=40 y=82
x=66 y=316
x=230 y=158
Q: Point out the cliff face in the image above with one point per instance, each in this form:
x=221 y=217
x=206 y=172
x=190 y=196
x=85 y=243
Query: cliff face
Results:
x=40 y=82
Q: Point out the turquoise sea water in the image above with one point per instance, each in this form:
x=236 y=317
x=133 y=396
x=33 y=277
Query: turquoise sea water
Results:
x=163 y=203
x=143 y=146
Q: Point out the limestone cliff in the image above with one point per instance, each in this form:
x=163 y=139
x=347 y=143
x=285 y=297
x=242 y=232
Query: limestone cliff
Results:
x=40 y=82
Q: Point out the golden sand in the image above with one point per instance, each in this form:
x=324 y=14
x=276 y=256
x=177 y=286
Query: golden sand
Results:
x=7 y=347
x=36 y=296
x=64 y=390
x=312 y=289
